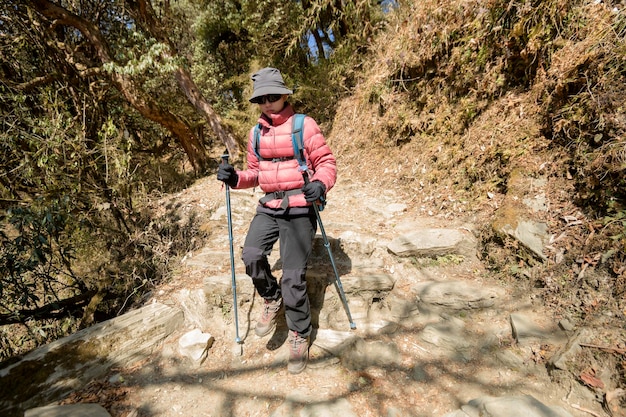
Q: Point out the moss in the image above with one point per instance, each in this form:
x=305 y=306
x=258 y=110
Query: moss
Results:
x=507 y=216
x=26 y=381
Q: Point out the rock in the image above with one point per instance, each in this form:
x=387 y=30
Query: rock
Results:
x=403 y=299
x=206 y=257
x=368 y=282
x=457 y=295
x=70 y=410
x=193 y=344
x=537 y=203
x=566 y=325
x=568 y=352
x=420 y=374
x=356 y=244
x=430 y=243
x=510 y=359
x=334 y=341
x=516 y=216
x=447 y=335
x=515 y=406
x=195 y=307
x=219 y=289
x=529 y=233
x=525 y=330
x=51 y=371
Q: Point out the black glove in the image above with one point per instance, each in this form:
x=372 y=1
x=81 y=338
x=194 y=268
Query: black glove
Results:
x=313 y=191
x=227 y=174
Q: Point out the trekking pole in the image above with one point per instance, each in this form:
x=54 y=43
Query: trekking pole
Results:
x=232 y=253
x=337 y=282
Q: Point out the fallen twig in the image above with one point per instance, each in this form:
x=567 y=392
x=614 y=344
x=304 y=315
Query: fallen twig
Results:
x=593 y=413
x=605 y=348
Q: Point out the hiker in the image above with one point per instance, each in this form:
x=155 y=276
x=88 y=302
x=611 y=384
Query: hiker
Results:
x=286 y=211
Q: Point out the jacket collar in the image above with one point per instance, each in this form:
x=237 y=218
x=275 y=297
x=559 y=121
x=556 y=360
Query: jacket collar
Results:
x=277 y=119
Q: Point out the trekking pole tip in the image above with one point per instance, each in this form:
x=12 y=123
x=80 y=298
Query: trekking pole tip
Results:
x=352 y=326
x=238 y=348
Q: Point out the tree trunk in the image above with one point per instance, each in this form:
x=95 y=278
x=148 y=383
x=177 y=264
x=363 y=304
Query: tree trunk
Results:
x=48 y=373
x=147 y=107
x=194 y=96
x=146 y=15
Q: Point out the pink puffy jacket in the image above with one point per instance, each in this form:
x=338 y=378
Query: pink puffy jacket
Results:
x=284 y=175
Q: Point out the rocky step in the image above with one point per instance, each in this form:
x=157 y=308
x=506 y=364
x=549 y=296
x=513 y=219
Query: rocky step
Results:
x=58 y=368
x=383 y=294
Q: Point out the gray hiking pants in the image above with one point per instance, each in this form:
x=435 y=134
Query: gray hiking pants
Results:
x=296 y=235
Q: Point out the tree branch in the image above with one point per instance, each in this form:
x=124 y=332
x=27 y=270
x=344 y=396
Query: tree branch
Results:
x=48 y=311
x=144 y=105
x=146 y=16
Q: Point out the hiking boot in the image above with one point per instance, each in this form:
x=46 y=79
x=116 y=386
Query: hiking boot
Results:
x=267 y=322
x=298 y=352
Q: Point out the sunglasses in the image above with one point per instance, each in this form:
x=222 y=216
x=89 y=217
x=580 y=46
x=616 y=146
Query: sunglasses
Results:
x=270 y=98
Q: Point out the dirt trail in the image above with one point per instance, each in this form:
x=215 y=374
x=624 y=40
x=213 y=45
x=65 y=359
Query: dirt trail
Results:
x=425 y=380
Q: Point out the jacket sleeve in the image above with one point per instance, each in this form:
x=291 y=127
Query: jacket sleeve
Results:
x=321 y=159
x=249 y=177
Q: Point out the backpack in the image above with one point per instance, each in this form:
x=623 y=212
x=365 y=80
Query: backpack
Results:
x=297 y=140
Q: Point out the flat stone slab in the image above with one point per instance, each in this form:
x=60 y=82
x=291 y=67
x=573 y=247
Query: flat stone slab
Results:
x=207 y=257
x=531 y=234
x=334 y=341
x=356 y=244
x=58 y=368
x=457 y=295
x=366 y=282
x=448 y=335
x=70 y=410
x=430 y=243
x=514 y=406
x=524 y=329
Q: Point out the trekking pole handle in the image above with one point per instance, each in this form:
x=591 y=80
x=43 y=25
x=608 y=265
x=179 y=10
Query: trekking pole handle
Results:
x=225 y=156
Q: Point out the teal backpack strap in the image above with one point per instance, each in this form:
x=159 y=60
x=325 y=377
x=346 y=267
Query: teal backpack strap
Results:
x=256 y=138
x=297 y=140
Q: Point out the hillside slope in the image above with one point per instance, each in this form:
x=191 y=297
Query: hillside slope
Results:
x=460 y=100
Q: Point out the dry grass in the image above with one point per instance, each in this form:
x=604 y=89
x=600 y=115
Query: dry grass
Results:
x=460 y=98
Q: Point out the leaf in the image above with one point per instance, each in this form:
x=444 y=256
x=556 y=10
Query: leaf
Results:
x=589 y=378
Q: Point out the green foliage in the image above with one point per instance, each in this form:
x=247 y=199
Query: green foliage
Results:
x=235 y=38
x=76 y=164
x=155 y=61
x=36 y=248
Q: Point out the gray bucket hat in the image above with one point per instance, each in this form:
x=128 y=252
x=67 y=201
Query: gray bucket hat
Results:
x=268 y=81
